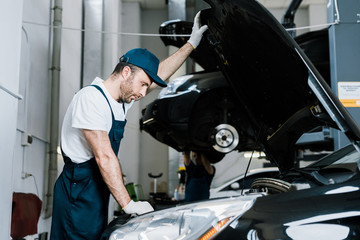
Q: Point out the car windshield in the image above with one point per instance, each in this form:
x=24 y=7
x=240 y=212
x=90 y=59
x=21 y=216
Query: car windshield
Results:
x=346 y=154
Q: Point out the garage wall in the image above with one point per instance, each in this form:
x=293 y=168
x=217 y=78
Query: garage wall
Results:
x=310 y=15
x=9 y=68
x=153 y=154
x=30 y=157
x=70 y=54
x=35 y=86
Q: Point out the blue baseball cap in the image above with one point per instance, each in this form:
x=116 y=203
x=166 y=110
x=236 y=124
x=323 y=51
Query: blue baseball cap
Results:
x=145 y=60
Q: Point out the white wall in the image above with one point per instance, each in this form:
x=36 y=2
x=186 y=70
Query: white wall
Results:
x=70 y=54
x=10 y=26
x=153 y=154
x=317 y=15
x=35 y=87
x=33 y=109
x=301 y=17
x=309 y=15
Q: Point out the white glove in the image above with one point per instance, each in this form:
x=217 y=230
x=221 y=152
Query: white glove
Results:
x=197 y=31
x=138 y=207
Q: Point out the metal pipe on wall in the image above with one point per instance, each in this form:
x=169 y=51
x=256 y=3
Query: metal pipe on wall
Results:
x=54 y=111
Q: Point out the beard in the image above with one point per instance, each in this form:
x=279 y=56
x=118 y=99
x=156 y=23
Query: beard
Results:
x=126 y=90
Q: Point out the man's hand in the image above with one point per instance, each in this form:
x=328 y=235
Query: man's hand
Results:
x=187 y=158
x=138 y=207
x=197 y=31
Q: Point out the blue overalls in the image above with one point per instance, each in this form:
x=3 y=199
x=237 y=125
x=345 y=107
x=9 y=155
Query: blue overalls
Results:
x=198 y=183
x=81 y=197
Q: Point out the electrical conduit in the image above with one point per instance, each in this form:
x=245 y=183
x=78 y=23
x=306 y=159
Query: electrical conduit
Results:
x=54 y=111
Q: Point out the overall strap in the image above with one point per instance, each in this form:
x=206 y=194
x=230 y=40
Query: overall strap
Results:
x=116 y=132
x=99 y=88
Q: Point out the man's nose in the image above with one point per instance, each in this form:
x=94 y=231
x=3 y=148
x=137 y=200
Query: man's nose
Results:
x=143 y=92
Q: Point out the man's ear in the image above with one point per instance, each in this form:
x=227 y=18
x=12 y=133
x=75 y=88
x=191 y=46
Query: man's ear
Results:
x=126 y=72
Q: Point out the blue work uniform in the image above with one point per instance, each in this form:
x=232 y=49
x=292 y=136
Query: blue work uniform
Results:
x=198 y=183
x=81 y=197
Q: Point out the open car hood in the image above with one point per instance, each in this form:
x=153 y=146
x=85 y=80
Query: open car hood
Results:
x=284 y=94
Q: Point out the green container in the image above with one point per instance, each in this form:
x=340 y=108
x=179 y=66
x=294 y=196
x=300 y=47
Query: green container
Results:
x=130 y=187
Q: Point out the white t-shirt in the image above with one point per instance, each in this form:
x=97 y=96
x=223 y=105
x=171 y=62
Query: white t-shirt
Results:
x=88 y=110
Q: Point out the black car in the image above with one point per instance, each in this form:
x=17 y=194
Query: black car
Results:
x=206 y=111
x=281 y=95
x=199 y=112
x=321 y=201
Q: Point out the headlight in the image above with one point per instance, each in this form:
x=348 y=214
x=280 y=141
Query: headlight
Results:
x=173 y=85
x=192 y=221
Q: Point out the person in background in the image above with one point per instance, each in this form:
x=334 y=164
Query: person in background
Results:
x=92 y=129
x=200 y=173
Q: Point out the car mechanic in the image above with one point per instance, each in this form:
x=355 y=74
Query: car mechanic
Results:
x=200 y=174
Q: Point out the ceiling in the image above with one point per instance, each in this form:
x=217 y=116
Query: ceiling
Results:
x=161 y=4
x=285 y=3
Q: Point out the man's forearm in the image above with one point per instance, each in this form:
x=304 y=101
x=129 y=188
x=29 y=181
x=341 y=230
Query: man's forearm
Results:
x=171 y=64
x=110 y=170
x=109 y=164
